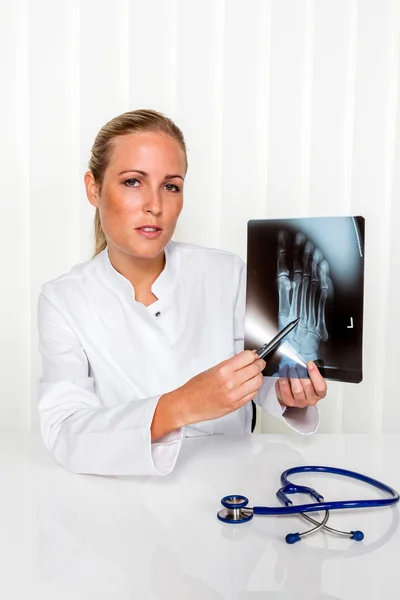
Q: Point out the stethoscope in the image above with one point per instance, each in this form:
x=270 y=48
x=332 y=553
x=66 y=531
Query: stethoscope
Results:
x=236 y=510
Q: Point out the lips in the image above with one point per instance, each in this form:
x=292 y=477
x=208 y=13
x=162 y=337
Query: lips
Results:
x=149 y=231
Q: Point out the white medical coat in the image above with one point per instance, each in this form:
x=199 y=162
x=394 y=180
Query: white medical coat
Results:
x=107 y=359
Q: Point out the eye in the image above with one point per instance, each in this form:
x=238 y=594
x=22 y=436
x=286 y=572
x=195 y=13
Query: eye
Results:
x=171 y=187
x=132 y=182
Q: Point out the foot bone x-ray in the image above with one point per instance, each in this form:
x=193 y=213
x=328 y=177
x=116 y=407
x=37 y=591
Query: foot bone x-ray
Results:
x=312 y=269
x=303 y=289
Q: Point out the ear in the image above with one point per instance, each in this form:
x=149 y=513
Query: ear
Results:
x=92 y=190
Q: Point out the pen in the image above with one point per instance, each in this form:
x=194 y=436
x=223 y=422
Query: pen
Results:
x=269 y=347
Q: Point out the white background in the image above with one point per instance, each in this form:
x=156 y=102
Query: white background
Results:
x=290 y=108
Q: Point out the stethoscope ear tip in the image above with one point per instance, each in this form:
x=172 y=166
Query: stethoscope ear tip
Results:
x=358 y=536
x=292 y=538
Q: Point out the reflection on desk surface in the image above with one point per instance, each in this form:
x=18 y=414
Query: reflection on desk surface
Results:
x=83 y=537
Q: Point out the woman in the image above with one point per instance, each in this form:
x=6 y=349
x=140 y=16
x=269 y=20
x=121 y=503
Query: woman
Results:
x=143 y=344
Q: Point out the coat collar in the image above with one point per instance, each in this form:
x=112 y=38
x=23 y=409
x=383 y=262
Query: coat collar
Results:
x=162 y=285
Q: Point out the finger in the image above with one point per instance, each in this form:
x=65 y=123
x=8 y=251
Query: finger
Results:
x=250 y=371
x=298 y=393
x=301 y=372
x=283 y=384
x=244 y=358
x=284 y=371
x=251 y=386
x=317 y=380
x=309 y=391
x=247 y=399
x=285 y=392
x=255 y=367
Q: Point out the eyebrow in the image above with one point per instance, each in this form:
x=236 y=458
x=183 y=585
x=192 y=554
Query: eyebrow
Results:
x=146 y=174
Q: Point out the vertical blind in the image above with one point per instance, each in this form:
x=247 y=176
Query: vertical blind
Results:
x=290 y=108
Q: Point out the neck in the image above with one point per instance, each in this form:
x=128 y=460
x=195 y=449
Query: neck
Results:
x=141 y=272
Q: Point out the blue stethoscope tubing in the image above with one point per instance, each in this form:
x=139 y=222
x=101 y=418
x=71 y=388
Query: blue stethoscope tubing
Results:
x=236 y=510
x=290 y=488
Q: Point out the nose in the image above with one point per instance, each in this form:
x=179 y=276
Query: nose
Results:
x=153 y=202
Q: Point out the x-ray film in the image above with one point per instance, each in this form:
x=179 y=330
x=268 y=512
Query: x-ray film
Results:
x=312 y=268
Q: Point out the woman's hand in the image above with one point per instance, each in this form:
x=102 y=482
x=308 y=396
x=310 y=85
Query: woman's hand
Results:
x=223 y=388
x=301 y=392
x=211 y=394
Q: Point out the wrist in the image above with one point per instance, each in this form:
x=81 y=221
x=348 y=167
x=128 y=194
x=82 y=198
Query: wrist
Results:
x=181 y=406
x=168 y=415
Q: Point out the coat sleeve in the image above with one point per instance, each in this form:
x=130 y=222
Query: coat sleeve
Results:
x=303 y=420
x=81 y=433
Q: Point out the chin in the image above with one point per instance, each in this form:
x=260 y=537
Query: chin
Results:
x=147 y=250
x=141 y=249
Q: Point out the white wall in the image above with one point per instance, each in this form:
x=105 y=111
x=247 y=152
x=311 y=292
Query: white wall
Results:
x=289 y=107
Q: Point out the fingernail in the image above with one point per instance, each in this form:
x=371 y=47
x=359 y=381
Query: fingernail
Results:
x=310 y=365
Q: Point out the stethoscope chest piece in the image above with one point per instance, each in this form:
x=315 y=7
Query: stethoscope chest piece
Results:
x=235 y=510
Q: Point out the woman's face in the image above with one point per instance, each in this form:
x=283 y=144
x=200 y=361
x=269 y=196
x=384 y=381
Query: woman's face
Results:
x=142 y=193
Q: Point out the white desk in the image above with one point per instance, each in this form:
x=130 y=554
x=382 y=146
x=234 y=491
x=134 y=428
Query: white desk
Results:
x=76 y=537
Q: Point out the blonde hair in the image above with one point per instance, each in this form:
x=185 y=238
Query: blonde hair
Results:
x=129 y=122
